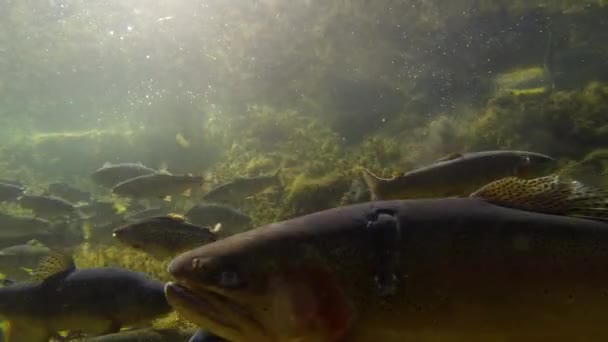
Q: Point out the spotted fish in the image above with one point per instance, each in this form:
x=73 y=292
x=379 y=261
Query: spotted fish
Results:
x=553 y=194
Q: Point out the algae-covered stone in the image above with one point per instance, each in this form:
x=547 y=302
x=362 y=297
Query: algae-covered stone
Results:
x=308 y=194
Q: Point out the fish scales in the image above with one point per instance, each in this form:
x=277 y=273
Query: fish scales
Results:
x=466 y=270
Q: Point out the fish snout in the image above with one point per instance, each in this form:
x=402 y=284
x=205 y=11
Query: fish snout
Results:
x=188 y=266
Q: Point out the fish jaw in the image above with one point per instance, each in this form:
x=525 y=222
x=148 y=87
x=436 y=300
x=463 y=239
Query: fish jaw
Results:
x=215 y=312
x=306 y=304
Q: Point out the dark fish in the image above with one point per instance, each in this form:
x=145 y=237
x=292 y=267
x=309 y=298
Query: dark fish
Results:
x=47 y=206
x=94 y=300
x=69 y=192
x=10 y=192
x=204 y=336
x=459 y=174
x=145 y=335
x=164 y=236
x=457 y=269
x=210 y=214
x=552 y=194
x=241 y=188
x=111 y=174
x=19 y=226
x=158 y=185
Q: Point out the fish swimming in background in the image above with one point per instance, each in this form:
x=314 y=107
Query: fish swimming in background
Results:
x=147 y=213
x=450 y=269
x=111 y=174
x=93 y=300
x=99 y=212
x=241 y=188
x=19 y=226
x=209 y=214
x=68 y=192
x=145 y=335
x=15 y=259
x=10 y=192
x=459 y=174
x=164 y=236
x=553 y=194
x=157 y=185
x=47 y=206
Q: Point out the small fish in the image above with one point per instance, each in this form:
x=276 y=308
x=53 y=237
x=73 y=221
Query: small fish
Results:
x=241 y=188
x=10 y=192
x=157 y=185
x=68 y=192
x=47 y=206
x=99 y=210
x=453 y=269
x=163 y=236
x=203 y=336
x=93 y=300
x=14 y=258
x=147 y=213
x=19 y=226
x=31 y=248
x=209 y=214
x=111 y=174
x=459 y=174
x=145 y=335
x=553 y=194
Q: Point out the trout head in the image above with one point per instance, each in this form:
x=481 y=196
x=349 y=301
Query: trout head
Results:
x=261 y=286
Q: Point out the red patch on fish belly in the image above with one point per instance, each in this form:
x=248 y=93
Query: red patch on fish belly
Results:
x=318 y=303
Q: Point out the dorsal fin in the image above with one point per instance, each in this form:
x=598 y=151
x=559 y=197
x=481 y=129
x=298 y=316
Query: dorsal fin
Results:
x=553 y=194
x=450 y=156
x=54 y=264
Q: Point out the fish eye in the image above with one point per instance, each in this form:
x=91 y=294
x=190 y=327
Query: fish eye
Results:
x=229 y=278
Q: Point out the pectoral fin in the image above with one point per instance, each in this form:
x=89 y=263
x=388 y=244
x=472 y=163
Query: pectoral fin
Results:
x=26 y=331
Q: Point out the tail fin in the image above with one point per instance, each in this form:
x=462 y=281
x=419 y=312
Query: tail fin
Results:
x=372 y=181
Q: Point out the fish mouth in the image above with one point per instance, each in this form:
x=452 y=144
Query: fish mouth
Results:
x=217 y=312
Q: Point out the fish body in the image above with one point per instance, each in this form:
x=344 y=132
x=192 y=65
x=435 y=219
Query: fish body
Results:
x=147 y=213
x=68 y=192
x=209 y=214
x=47 y=206
x=204 y=336
x=111 y=174
x=455 y=269
x=14 y=259
x=19 y=226
x=157 y=185
x=99 y=212
x=240 y=188
x=163 y=236
x=459 y=174
x=145 y=335
x=10 y=192
x=95 y=301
